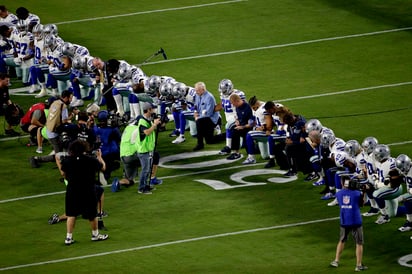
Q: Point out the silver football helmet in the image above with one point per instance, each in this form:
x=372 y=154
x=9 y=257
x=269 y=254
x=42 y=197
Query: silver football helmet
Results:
x=179 y=90
x=226 y=87
x=50 y=41
x=313 y=124
x=154 y=83
x=79 y=62
x=166 y=89
x=352 y=148
x=381 y=153
x=326 y=139
x=369 y=144
x=403 y=163
x=50 y=29
x=68 y=49
x=125 y=71
x=38 y=31
x=21 y=26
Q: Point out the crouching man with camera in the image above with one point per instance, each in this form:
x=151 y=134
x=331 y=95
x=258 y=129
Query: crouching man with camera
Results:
x=350 y=200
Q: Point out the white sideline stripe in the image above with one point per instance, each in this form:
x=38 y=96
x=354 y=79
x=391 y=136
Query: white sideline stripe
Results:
x=32 y=197
x=169 y=243
x=150 y=11
x=346 y=91
x=281 y=45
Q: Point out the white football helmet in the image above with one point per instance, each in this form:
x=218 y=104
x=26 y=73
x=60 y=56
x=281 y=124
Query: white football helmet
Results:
x=327 y=138
x=179 y=90
x=226 y=87
x=369 y=144
x=403 y=163
x=166 y=89
x=381 y=153
x=313 y=124
x=352 y=148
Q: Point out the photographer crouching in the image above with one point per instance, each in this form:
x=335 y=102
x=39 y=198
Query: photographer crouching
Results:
x=350 y=200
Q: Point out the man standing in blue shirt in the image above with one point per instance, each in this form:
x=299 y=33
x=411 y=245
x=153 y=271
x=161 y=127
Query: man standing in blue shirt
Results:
x=350 y=200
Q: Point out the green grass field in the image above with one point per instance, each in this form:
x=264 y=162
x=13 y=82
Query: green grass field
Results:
x=346 y=63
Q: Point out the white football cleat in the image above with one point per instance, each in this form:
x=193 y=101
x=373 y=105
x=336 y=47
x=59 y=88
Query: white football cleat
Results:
x=42 y=93
x=179 y=139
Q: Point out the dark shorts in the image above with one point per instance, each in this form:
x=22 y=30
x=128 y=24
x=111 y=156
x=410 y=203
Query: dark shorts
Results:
x=356 y=231
x=81 y=204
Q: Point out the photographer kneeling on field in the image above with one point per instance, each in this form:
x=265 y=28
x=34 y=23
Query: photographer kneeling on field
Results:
x=350 y=200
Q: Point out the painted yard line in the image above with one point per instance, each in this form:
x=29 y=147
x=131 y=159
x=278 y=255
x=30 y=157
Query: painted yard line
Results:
x=281 y=45
x=149 y=11
x=165 y=177
x=346 y=91
x=228 y=234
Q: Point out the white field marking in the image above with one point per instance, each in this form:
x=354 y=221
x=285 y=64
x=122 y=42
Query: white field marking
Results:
x=150 y=11
x=346 y=91
x=281 y=45
x=165 y=177
x=228 y=234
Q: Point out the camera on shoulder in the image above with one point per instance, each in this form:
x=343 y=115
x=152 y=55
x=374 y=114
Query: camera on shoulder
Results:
x=352 y=183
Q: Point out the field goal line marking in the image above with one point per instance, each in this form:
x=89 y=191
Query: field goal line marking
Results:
x=169 y=243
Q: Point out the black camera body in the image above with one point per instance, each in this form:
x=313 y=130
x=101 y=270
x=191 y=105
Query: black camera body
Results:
x=114 y=120
x=353 y=183
x=163 y=118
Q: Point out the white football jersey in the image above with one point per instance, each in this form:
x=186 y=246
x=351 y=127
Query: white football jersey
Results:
x=408 y=181
x=56 y=56
x=23 y=42
x=382 y=169
x=337 y=146
x=137 y=75
x=40 y=51
x=260 y=115
x=360 y=162
x=191 y=94
x=10 y=19
x=167 y=79
x=228 y=108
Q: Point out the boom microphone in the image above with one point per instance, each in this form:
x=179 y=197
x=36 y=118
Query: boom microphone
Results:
x=162 y=51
